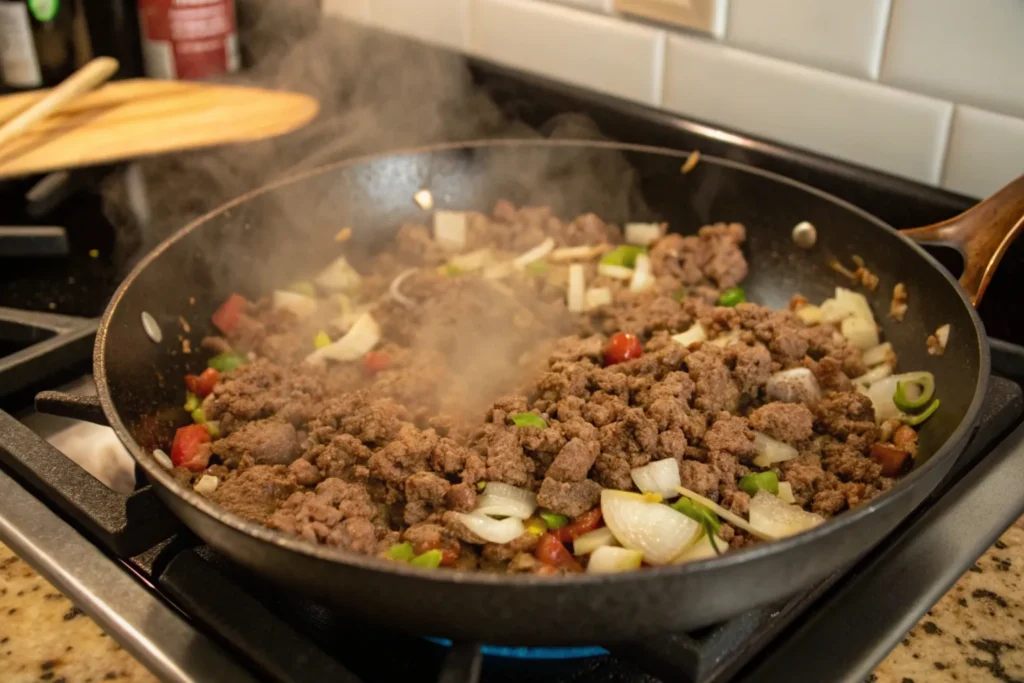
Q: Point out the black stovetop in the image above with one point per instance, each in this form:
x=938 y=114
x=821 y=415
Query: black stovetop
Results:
x=283 y=637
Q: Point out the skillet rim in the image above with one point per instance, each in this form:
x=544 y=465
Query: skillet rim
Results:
x=163 y=480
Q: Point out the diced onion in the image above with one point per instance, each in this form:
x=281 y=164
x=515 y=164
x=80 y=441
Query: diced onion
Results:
x=364 y=335
x=695 y=334
x=151 y=327
x=702 y=550
x=503 y=500
x=163 y=459
x=786 y=492
x=656 y=530
x=811 y=315
x=798 y=385
x=660 y=476
x=642 y=277
x=206 y=485
x=727 y=515
x=846 y=304
x=612 y=560
x=474 y=260
x=772 y=516
x=860 y=333
x=642 y=234
x=592 y=540
x=395 y=293
x=882 y=392
x=450 y=230
x=576 y=296
x=583 y=253
x=596 y=297
x=615 y=272
x=942 y=337
x=424 y=199
x=771 y=451
x=492 y=530
x=725 y=339
x=877 y=355
x=299 y=304
x=535 y=254
x=499 y=270
x=873 y=375
x=339 y=276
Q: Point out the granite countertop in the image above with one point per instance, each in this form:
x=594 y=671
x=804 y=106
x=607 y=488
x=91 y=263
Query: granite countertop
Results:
x=975 y=633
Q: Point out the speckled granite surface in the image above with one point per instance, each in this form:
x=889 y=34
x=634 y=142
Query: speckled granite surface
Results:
x=975 y=633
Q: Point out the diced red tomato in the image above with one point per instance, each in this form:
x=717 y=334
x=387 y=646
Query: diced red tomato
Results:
x=449 y=547
x=551 y=551
x=190 y=450
x=892 y=459
x=622 y=346
x=375 y=361
x=588 y=521
x=227 y=316
x=202 y=385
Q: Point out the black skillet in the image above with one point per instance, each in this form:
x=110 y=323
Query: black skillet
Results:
x=285 y=231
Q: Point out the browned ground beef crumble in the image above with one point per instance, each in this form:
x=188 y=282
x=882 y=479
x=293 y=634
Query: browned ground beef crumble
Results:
x=361 y=461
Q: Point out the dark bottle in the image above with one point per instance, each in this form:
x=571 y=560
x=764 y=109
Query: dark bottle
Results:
x=37 y=42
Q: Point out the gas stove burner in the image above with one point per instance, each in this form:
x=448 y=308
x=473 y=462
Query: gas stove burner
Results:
x=534 y=653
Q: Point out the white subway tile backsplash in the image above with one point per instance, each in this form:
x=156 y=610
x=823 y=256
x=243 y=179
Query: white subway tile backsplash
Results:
x=840 y=35
x=866 y=123
x=593 y=51
x=986 y=151
x=968 y=51
x=445 y=22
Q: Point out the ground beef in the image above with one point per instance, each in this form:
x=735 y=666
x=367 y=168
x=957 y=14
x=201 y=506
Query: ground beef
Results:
x=731 y=434
x=699 y=478
x=574 y=461
x=255 y=493
x=569 y=498
x=265 y=442
x=789 y=422
x=713 y=255
x=506 y=551
x=846 y=412
x=714 y=388
x=805 y=475
x=425 y=493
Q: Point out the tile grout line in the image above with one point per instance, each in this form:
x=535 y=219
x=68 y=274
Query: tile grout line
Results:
x=658 y=70
x=875 y=71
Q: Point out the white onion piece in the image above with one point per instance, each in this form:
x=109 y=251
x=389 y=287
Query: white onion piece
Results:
x=882 y=392
x=592 y=540
x=786 y=492
x=346 y=320
x=877 y=355
x=727 y=515
x=656 y=530
x=860 y=333
x=576 y=296
x=450 y=230
x=642 y=277
x=643 y=234
x=771 y=516
x=942 y=336
x=702 y=550
x=499 y=270
x=163 y=459
x=206 y=485
x=152 y=328
x=299 y=304
x=492 y=530
x=615 y=272
x=395 y=293
x=364 y=335
x=695 y=334
x=503 y=500
x=595 y=297
x=339 y=276
x=535 y=254
x=612 y=560
x=798 y=385
x=424 y=199
x=725 y=339
x=583 y=253
x=474 y=260
x=811 y=315
x=771 y=451
x=876 y=373
x=660 y=476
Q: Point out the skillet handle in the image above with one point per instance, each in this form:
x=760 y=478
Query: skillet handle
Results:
x=982 y=233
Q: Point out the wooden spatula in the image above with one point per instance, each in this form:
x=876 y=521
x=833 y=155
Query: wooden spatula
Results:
x=140 y=117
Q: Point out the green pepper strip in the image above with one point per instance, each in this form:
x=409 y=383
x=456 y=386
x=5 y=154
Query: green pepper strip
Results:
x=191 y=402
x=199 y=416
x=554 y=520
x=401 y=551
x=623 y=255
x=227 y=361
x=481 y=485
x=430 y=560
x=902 y=396
x=732 y=297
x=708 y=519
x=914 y=420
x=528 y=420
x=537 y=267
x=213 y=427
x=753 y=482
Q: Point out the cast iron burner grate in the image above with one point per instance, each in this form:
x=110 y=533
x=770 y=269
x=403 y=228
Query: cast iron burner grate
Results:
x=289 y=638
x=34 y=345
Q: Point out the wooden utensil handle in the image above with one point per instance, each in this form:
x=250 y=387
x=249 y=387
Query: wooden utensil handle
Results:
x=983 y=233
x=93 y=74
